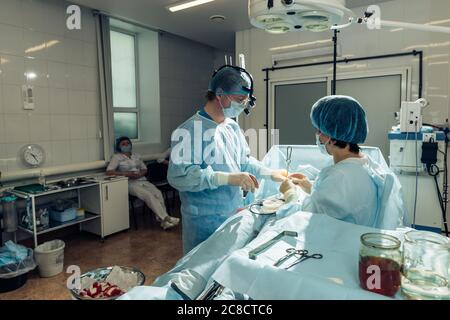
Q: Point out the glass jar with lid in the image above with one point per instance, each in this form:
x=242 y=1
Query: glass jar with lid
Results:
x=380 y=263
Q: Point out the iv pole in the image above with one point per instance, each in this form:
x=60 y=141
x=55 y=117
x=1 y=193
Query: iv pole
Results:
x=334 y=82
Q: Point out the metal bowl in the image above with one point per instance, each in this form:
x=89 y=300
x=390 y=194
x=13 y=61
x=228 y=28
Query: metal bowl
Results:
x=100 y=275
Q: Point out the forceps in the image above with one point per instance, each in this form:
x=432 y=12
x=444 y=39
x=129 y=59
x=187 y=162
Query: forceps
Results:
x=304 y=257
x=257 y=251
x=288 y=158
x=290 y=253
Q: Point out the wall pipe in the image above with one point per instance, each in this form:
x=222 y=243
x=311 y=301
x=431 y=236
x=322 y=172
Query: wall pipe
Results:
x=345 y=60
x=37 y=172
x=66 y=169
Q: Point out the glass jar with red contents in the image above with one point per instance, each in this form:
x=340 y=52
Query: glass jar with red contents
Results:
x=380 y=263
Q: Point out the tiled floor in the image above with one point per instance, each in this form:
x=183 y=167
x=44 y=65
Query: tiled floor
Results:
x=150 y=249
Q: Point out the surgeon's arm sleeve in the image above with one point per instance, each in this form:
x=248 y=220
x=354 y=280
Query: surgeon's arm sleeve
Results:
x=191 y=177
x=254 y=167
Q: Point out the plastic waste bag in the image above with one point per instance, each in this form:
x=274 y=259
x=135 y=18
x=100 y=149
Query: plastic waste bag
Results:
x=15 y=260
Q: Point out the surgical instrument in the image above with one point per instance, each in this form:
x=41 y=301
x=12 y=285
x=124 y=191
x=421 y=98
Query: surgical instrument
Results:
x=258 y=208
x=291 y=252
x=288 y=158
x=214 y=290
x=257 y=251
x=304 y=257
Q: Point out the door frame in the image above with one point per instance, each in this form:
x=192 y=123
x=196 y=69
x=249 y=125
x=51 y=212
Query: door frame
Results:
x=406 y=86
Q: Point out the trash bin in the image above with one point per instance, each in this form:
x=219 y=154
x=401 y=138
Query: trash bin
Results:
x=50 y=258
x=16 y=262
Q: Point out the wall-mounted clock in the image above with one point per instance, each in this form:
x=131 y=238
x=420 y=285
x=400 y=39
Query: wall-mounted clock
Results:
x=33 y=155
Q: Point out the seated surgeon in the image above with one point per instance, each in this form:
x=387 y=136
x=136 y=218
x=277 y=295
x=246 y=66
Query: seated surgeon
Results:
x=355 y=189
x=127 y=163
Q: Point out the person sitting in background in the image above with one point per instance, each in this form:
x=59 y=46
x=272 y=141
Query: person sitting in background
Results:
x=128 y=164
x=355 y=189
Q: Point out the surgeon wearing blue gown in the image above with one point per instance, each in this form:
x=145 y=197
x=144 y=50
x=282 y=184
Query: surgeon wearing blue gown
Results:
x=355 y=189
x=210 y=163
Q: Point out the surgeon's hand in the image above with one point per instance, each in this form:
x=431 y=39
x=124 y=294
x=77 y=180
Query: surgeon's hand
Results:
x=244 y=180
x=279 y=175
x=302 y=181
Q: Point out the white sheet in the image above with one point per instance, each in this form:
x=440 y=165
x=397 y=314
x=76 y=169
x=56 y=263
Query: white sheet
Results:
x=334 y=277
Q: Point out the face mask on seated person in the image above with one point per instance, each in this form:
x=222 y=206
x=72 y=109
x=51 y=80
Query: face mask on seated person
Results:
x=126 y=149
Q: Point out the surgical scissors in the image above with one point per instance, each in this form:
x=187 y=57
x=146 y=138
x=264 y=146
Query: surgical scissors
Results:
x=290 y=253
x=304 y=257
x=288 y=158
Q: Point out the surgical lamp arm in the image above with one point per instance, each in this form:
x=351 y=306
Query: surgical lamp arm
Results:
x=414 y=26
x=394 y=24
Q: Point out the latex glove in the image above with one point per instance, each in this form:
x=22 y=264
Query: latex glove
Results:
x=286 y=186
x=244 y=180
x=289 y=190
x=302 y=181
x=279 y=175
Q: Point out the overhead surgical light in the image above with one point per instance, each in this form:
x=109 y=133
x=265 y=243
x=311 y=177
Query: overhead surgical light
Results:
x=281 y=16
x=316 y=21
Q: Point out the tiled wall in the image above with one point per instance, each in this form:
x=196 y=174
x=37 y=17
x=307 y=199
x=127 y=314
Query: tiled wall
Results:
x=66 y=120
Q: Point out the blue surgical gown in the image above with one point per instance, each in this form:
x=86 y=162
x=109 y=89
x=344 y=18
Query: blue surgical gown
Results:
x=211 y=148
x=359 y=191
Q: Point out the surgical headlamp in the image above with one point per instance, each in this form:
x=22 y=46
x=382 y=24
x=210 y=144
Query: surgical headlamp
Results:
x=251 y=103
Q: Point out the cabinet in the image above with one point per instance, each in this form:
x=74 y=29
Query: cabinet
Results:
x=110 y=200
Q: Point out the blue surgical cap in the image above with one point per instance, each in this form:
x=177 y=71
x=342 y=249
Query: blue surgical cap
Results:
x=341 y=118
x=230 y=81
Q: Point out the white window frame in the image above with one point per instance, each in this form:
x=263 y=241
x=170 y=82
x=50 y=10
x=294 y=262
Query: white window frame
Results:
x=136 y=65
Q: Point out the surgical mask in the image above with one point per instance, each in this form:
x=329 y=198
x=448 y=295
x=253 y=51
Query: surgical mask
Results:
x=234 y=110
x=322 y=146
x=126 y=149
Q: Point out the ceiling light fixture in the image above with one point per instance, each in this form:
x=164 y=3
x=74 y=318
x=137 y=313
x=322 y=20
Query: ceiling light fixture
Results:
x=187 y=5
x=42 y=46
